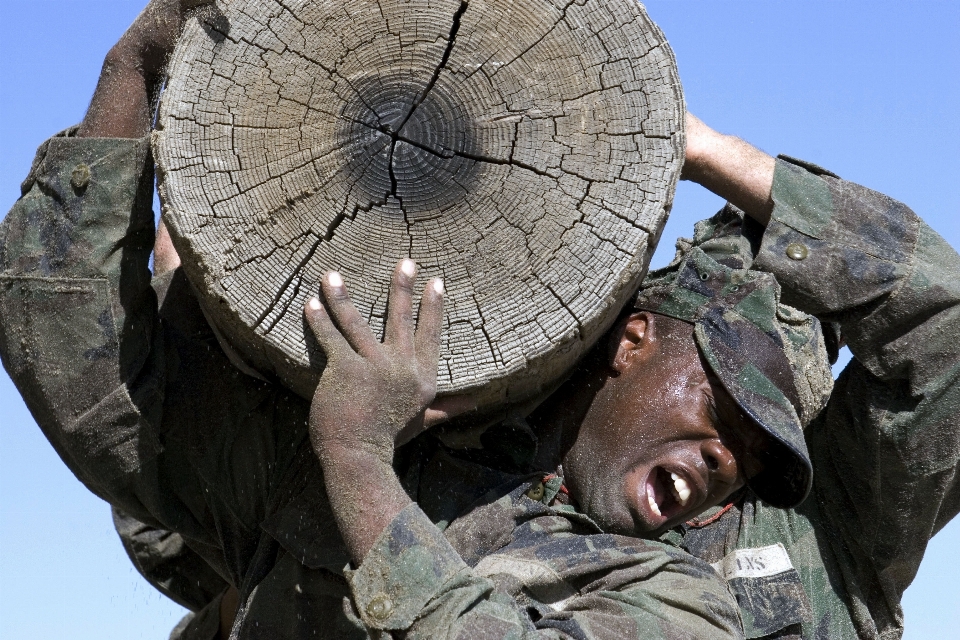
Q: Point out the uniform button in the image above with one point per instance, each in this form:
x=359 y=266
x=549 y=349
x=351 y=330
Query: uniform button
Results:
x=796 y=251
x=380 y=607
x=536 y=492
x=80 y=177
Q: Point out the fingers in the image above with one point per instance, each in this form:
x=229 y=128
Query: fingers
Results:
x=430 y=325
x=323 y=328
x=352 y=325
x=400 y=324
x=419 y=339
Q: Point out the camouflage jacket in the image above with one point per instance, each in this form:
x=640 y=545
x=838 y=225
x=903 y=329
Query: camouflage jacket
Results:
x=213 y=479
x=885 y=450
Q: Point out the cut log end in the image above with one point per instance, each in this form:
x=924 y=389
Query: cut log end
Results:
x=524 y=151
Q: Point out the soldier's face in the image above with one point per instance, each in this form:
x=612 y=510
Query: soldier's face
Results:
x=662 y=441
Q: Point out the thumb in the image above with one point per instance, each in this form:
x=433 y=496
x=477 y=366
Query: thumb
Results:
x=447 y=408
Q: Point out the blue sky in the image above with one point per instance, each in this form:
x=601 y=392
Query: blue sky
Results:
x=869 y=89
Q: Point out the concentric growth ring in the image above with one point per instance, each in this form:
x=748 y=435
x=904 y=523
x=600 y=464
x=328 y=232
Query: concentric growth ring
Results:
x=421 y=151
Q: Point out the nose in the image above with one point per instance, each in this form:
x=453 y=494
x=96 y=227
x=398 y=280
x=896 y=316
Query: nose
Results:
x=720 y=461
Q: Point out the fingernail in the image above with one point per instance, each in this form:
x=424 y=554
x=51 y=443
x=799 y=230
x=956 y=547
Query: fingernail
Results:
x=438 y=285
x=334 y=279
x=314 y=304
x=408 y=267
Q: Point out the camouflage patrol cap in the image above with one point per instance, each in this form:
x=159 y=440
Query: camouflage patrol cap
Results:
x=769 y=357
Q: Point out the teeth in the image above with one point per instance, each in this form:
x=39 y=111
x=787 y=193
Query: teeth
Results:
x=653 y=502
x=681 y=490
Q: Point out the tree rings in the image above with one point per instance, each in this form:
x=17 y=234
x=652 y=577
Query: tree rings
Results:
x=526 y=151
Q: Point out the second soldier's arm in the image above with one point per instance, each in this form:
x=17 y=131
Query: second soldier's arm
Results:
x=78 y=316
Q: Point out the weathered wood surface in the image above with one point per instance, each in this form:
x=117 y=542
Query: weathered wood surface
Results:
x=524 y=150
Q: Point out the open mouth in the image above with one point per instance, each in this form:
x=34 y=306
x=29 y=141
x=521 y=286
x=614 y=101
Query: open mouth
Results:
x=668 y=494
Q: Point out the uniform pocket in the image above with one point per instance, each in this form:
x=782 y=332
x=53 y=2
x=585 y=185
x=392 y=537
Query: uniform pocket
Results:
x=61 y=348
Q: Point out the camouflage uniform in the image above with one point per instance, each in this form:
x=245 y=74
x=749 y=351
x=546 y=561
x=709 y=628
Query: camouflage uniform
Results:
x=214 y=482
x=885 y=450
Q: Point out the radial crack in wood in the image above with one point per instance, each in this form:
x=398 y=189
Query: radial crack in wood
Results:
x=526 y=151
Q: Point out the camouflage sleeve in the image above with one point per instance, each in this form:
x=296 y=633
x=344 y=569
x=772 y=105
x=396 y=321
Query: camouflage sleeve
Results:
x=165 y=561
x=77 y=314
x=414 y=581
x=200 y=625
x=886 y=449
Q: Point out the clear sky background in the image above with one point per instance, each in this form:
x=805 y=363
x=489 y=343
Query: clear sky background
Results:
x=868 y=88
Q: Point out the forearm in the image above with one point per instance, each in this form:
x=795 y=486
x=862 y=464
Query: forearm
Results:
x=121 y=104
x=84 y=200
x=731 y=168
x=414 y=581
x=86 y=213
x=365 y=494
x=855 y=256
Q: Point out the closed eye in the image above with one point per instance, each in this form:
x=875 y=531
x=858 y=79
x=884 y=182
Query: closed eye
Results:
x=727 y=432
x=714 y=414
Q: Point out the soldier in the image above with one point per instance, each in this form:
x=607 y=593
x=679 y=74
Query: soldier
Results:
x=885 y=449
x=884 y=443
x=683 y=407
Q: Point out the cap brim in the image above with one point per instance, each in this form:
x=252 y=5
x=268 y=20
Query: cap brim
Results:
x=740 y=355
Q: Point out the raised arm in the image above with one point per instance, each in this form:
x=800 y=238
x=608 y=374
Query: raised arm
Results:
x=77 y=313
x=127 y=90
x=887 y=447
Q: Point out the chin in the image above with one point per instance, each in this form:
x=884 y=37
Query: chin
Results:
x=613 y=515
x=603 y=497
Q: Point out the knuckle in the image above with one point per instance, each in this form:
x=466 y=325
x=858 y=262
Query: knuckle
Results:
x=338 y=295
x=354 y=325
x=403 y=283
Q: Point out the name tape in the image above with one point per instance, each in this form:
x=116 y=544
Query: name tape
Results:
x=754 y=563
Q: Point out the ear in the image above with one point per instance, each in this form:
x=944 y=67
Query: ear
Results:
x=635 y=340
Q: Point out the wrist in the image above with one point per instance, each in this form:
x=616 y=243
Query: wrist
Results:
x=133 y=57
x=120 y=107
x=352 y=454
x=365 y=495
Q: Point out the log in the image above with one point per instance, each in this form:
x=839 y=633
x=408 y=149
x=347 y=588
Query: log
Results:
x=526 y=151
